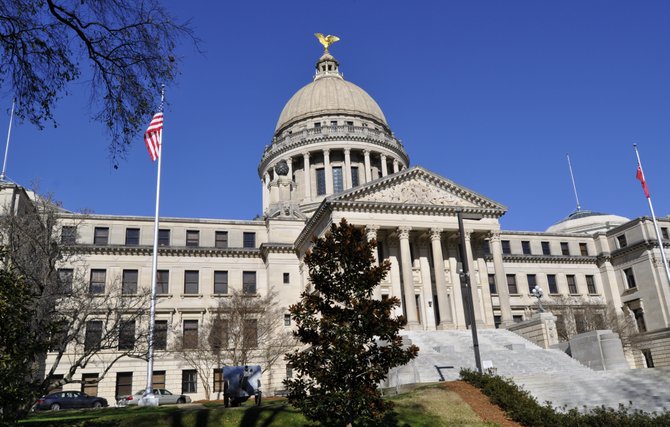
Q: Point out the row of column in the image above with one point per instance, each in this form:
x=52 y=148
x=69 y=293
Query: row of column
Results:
x=347 y=179
x=444 y=305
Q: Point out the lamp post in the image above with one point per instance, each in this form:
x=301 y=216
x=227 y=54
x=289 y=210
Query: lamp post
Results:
x=465 y=283
x=537 y=293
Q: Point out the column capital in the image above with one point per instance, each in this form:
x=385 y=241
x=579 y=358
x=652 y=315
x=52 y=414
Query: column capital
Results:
x=435 y=233
x=468 y=235
x=383 y=156
x=494 y=235
x=403 y=231
x=371 y=231
x=326 y=151
x=347 y=151
x=366 y=152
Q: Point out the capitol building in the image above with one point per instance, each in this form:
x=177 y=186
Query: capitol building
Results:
x=333 y=155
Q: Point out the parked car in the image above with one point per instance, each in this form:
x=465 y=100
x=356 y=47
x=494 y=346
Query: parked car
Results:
x=69 y=400
x=165 y=397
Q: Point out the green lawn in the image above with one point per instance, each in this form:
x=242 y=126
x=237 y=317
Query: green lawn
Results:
x=427 y=406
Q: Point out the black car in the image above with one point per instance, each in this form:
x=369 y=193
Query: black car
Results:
x=69 y=400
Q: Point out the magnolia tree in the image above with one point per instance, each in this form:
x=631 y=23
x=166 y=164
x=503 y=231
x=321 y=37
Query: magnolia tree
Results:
x=350 y=339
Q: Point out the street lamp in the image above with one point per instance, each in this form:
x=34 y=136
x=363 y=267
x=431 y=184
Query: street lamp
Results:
x=465 y=283
x=537 y=293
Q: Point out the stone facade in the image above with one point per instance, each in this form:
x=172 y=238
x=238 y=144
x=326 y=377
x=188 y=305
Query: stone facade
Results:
x=334 y=156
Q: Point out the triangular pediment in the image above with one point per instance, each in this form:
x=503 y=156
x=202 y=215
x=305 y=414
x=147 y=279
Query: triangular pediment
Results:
x=418 y=187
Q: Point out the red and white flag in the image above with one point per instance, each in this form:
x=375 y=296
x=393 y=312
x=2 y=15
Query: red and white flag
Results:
x=640 y=176
x=152 y=137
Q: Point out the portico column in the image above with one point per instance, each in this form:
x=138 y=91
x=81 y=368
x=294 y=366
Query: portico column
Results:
x=371 y=231
x=368 y=174
x=384 y=169
x=440 y=282
x=395 y=166
x=501 y=279
x=407 y=278
x=347 y=169
x=474 y=285
x=329 y=171
x=289 y=162
x=308 y=178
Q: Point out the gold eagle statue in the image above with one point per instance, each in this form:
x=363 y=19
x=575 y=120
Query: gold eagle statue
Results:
x=326 y=41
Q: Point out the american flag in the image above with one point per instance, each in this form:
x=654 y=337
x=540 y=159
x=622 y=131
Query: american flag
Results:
x=152 y=137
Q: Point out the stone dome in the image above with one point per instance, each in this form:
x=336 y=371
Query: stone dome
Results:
x=327 y=95
x=587 y=222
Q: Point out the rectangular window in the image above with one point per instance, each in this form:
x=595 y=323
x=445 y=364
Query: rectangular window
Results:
x=89 y=384
x=101 y=236
x=517 y=318
x=630 y=278
x=333 y=124
x=132 y=236
x=546 y=249
x=249 y=282
x=160 y=335
x=65 y=278
x=647 y=356
x=158 y=379
x=218 y=337
x=583 y=249
x=350 y=126
x=486 y=247
x=68 y=235
x=124 y=384
x=220 y=282
x=551 y=282
x=492 y=284
x=580 y=322
x=249 y=239
x=338 y=183
x=162 y=282
x=98 y=279
x=506 y=249
x=218 y=380
x=511 y=284
x=320 y=181
x=190 y=339
x=129 y=282
x=287 y=278
x=250 y=333
x=127 y=335
x=591 y=284
x=525 y=247
x=572 y=283
x=664 y=233
x=622 y=241
x=93 y=335
x=192 y=238
x=189 y=381
x=317 y=127
x=163 y=237
x=289 y=370
x=355 y=181
x=191 y=281
x=221 y=239
x=565 y=249
x=287 y=320
x=532 y=282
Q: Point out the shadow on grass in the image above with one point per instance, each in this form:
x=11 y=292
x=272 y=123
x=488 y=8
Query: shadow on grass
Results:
x=262 y=416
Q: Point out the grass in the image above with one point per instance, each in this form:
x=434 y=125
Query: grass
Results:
x=430 y=405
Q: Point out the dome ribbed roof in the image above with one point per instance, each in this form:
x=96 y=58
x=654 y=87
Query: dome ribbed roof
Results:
x=329 y=95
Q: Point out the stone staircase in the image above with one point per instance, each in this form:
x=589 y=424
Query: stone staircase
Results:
x=549 y=375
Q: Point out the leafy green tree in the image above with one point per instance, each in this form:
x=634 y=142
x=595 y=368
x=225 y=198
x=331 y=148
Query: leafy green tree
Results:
x=350 y=339
x=16 y=347
x=123 y=49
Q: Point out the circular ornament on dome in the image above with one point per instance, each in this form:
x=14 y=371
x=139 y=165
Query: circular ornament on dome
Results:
x=281 y=168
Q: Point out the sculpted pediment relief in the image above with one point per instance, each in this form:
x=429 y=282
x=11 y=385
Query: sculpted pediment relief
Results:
x=416 y=192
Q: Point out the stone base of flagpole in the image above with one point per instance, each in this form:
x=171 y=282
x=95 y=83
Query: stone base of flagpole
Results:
x=149 y=399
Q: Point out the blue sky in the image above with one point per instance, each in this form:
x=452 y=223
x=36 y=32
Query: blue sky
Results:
x=489 y=94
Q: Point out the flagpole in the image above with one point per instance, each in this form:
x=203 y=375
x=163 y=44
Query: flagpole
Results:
x=653 y=218
x=149 y=399
x=3 y=176
x=574 y=187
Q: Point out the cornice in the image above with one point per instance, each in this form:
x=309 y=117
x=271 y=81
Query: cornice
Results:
x=276 y=248
x=166 y=251
x=547 y=259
